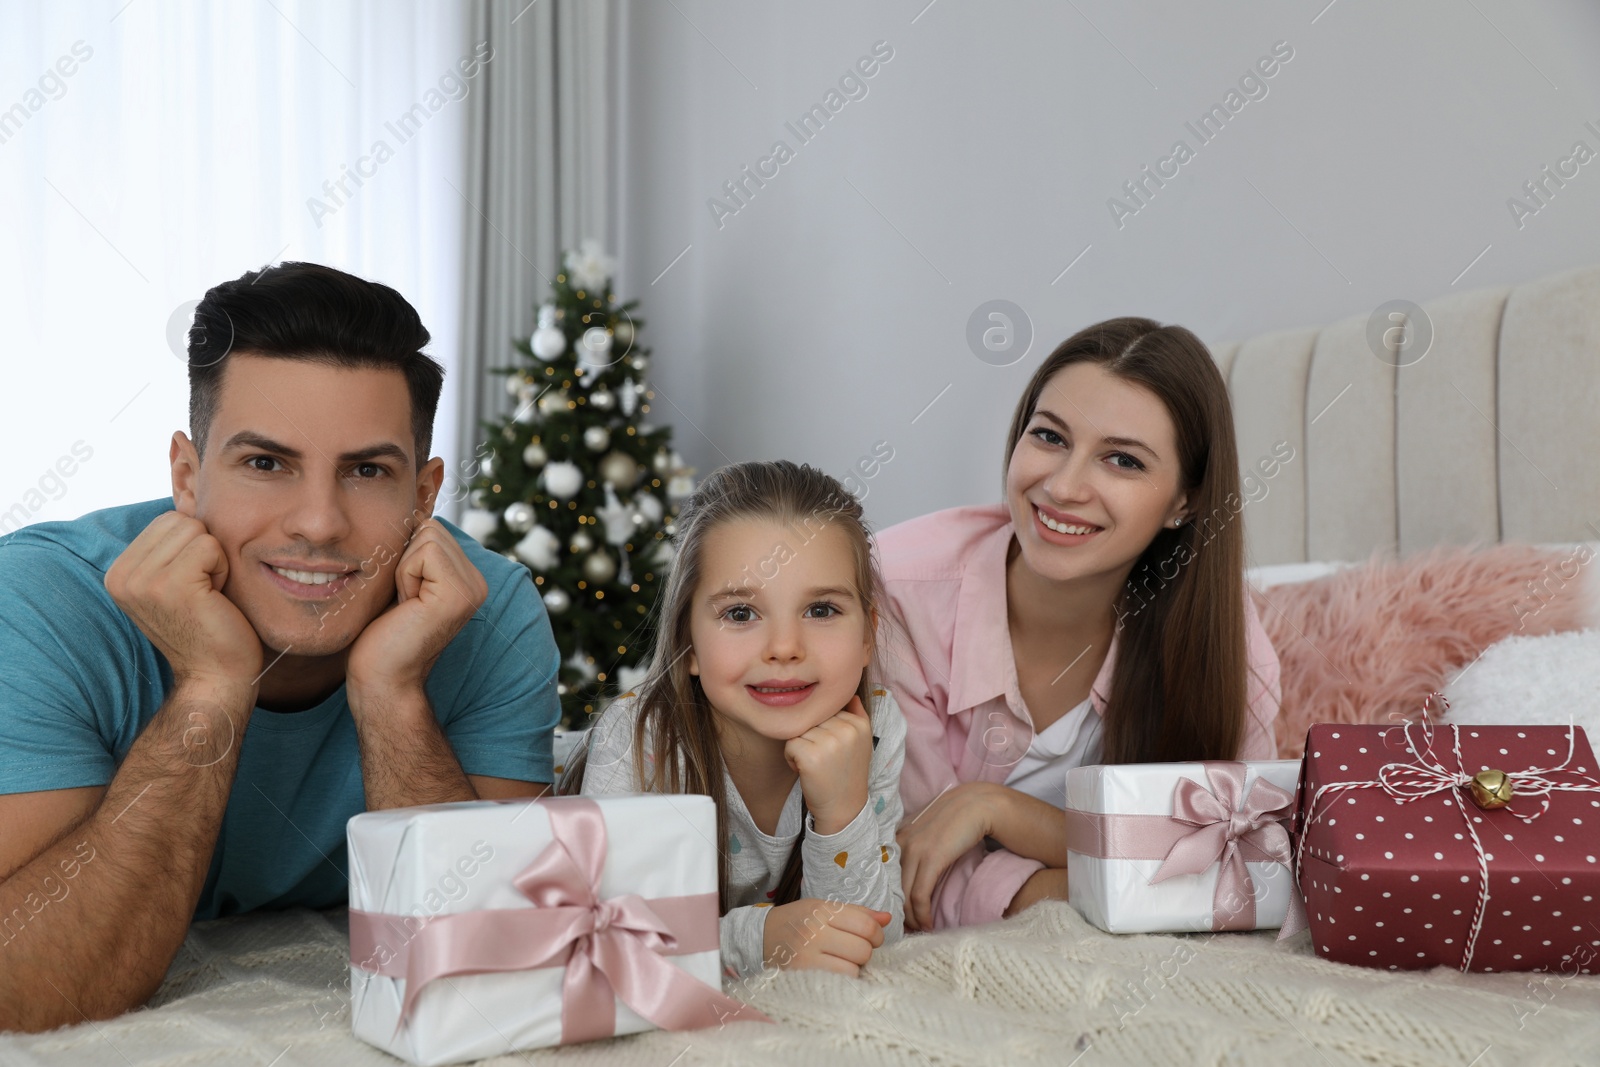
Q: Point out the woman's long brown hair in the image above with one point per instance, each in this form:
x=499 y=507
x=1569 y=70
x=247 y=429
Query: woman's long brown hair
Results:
x=1178 y=687
x=675 y=722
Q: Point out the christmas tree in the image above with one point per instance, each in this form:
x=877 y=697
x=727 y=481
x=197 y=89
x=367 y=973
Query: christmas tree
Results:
x=578 y=486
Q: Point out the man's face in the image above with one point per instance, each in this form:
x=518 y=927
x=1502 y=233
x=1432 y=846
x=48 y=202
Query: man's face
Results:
x=309 y=482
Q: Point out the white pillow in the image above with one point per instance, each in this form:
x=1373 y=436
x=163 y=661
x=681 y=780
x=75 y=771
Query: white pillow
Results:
x=1269 y=575
x=1538 y=681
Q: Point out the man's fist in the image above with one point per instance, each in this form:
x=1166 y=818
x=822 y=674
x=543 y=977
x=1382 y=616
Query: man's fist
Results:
x=169 y=581
x=437 y=589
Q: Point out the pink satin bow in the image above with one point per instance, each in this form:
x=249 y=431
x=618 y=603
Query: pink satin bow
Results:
x=611 y=948
x=1231 y=828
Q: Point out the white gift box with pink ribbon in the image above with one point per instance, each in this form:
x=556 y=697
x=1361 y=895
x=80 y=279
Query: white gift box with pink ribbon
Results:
x=1181 y=846
x=481 y=928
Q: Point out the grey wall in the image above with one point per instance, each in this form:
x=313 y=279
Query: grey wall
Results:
x=827 y=313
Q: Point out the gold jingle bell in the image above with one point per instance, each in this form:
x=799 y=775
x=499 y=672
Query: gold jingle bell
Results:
x=1491 y=789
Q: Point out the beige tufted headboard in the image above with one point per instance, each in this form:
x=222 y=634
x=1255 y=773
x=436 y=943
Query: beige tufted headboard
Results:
x=1494 y=434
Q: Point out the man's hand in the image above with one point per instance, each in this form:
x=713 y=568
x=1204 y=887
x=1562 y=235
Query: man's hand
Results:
x=956 y=821
x=169 y=581
x=405 y=758
x=437 y=589
x=833 y=760
x=824 y=935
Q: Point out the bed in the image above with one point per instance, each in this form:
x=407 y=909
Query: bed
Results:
x=1490 y=436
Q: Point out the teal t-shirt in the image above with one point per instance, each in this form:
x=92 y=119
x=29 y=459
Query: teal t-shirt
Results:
x=79 y=681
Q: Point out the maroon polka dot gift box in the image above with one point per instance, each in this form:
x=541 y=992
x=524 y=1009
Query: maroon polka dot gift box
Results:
x=1475 y=847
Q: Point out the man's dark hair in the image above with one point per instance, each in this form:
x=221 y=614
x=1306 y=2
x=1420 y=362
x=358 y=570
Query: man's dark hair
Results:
x=309 y=312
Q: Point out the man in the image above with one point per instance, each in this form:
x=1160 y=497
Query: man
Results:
x=196 y=693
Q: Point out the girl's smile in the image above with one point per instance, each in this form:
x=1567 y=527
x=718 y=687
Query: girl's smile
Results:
x=782 y=693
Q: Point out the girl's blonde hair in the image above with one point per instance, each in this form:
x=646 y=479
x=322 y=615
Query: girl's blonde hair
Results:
x=675 y=722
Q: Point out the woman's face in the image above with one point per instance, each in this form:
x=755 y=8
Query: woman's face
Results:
x=1095 y=475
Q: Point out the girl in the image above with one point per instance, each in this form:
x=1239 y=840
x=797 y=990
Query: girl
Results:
x=757 y=696
x=1098 y=616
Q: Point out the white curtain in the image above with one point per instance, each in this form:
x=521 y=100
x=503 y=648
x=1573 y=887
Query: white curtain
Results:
x=540 y=157
x=151 y=149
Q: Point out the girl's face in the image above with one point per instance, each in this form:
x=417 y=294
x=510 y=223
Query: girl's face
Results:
x=1094 y=477
x=778 y=633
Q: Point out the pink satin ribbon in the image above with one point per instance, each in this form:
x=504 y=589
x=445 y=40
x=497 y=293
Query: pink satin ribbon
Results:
x=1221 y=825
x=1427 y=775
x=612 y=949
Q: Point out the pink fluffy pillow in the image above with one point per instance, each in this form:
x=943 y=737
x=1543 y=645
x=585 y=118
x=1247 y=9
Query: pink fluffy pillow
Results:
x=1368 y=644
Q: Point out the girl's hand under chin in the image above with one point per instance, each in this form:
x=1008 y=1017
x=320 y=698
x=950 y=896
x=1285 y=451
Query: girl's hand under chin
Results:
x=833 y=760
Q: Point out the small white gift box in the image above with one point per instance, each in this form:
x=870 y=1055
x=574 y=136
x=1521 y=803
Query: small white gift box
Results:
x=481 y=928
x=1181 y=846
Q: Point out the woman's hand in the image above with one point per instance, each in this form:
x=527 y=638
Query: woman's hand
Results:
x=958 y=819
x=834 y=760
x=825 y=935
x=1048 y=884
x=961 y=818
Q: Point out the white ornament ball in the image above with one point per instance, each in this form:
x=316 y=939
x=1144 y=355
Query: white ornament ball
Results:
x=597 y=438
x=526 y=411
x=515 y=383
x=666 y=557
x=519 y=517
x=649 y=506
x=479 y=523
x=623 y=331
x=599 y=568
x=662 y=463
x=556 y=601
x=602 y=400
x=581 y=542
x=486 y=466
x=620 y=470
x=640 y=362
x=552 y=400
x=562 y=480
x=548 y=343
x=535 y=456
x=539 y=549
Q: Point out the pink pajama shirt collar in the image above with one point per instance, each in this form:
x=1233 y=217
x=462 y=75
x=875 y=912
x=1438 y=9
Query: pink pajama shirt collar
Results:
x=982 y=661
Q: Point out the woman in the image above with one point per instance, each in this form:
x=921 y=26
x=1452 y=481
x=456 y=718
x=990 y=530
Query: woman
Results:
x=1099 y=615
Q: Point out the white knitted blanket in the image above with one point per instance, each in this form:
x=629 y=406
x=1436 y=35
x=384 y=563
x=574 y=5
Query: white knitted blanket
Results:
x=1045 y=987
